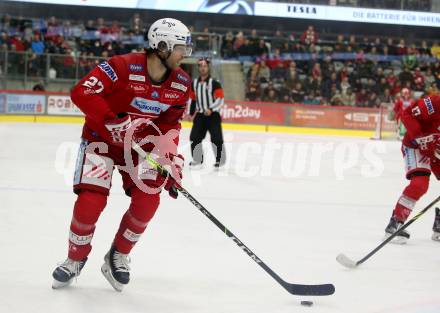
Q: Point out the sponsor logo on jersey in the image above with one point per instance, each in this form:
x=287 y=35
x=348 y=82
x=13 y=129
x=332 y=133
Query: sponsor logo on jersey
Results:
x=107 y=69
x=137 y=87
x=182 y=78
x=148 y=106
x=171 y=95
x=429 y=106
x=136 y=67
x=139 y=78
x=155 y=94
x=179 y=86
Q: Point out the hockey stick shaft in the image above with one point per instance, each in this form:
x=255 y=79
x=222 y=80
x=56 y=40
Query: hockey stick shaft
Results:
x=297 y=289
x=412 y=220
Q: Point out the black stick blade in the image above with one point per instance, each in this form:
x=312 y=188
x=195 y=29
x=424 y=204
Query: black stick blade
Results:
x=310 y=290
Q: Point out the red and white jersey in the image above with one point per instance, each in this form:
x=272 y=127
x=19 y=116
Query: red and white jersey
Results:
x=400 y=105
x=422 y=118
x=122 y=84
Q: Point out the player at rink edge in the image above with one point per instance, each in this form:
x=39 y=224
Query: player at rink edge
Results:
x=421 y=153
x=115 y=96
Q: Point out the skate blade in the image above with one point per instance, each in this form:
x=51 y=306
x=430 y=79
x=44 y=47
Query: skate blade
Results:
x=106 y=271
x=435 y=236
x=196 y=167
x=59 y=284
x=398 y=240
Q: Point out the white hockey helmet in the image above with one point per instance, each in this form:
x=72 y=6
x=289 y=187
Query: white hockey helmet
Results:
x=171 y=32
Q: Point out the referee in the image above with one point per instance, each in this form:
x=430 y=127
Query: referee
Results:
x=207 y=99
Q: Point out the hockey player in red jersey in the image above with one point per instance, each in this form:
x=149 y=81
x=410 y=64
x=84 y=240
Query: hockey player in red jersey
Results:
x=405 y=100
x=138 y=97
x=421 y=151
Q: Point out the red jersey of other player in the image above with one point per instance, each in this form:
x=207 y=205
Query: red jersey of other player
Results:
x=421 y=152
x=137 y=97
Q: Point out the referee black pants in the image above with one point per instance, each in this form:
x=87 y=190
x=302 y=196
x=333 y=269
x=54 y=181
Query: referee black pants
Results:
x=201 y=125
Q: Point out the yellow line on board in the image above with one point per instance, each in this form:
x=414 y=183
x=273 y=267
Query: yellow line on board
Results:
x=60 y=119
x=227 y=126
x=17 y=118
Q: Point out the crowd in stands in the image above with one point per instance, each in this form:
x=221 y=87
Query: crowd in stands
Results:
x=348 y=71
x=280 y=67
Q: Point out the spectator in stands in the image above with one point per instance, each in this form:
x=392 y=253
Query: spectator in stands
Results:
x=37 y=44
x=344 y=84
x=419 y=80
x=352 y=42
x=429 y=78
x=310 y=36
x=435 y=50
x=263 y=73
x=283 y=94
x=18 y=44
x=260 y=48
x=373 y=100
x=409 y=60
x=202 y=40
x=90 y=26
x=4 y=40
x=348 y=98
x=329 y=84
x=227 y=49
x=271 y=96
x=316 y=70
x=335 y=96
x=406 y=76
x=279 y=41
x=136 y=22
x=297 y=93
x=254 y=39
x=392 y=79
x=253 y=93
x=386 y=97
x=362 y=98
x=401 y=48
x=279 y=74
x=239 y=40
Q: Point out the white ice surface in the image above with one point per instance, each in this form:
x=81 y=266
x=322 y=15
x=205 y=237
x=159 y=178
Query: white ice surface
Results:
x=183 y=263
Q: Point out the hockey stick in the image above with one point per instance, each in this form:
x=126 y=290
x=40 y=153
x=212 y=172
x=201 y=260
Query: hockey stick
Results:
x=295 y=289
x=347 y=262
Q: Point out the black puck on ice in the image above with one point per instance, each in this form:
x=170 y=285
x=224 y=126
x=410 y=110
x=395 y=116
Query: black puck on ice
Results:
x=307 y=303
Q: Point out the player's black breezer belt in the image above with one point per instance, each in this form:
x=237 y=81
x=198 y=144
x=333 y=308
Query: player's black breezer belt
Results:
x=295 y=289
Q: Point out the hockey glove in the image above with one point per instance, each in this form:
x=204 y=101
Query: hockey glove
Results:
x=118 y=127
x=429 y=145
x=175 y=175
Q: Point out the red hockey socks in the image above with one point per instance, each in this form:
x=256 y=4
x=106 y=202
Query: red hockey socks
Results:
x=88 y=207
x=135 y=220
x=417 y=187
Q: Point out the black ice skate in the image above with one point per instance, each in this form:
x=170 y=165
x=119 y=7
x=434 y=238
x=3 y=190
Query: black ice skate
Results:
x=64 y=274
x=392 y=227
x=436 y=226
x=195 y=165
x=116 y=269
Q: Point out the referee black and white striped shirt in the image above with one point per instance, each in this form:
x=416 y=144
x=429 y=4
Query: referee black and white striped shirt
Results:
x=206 y=94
